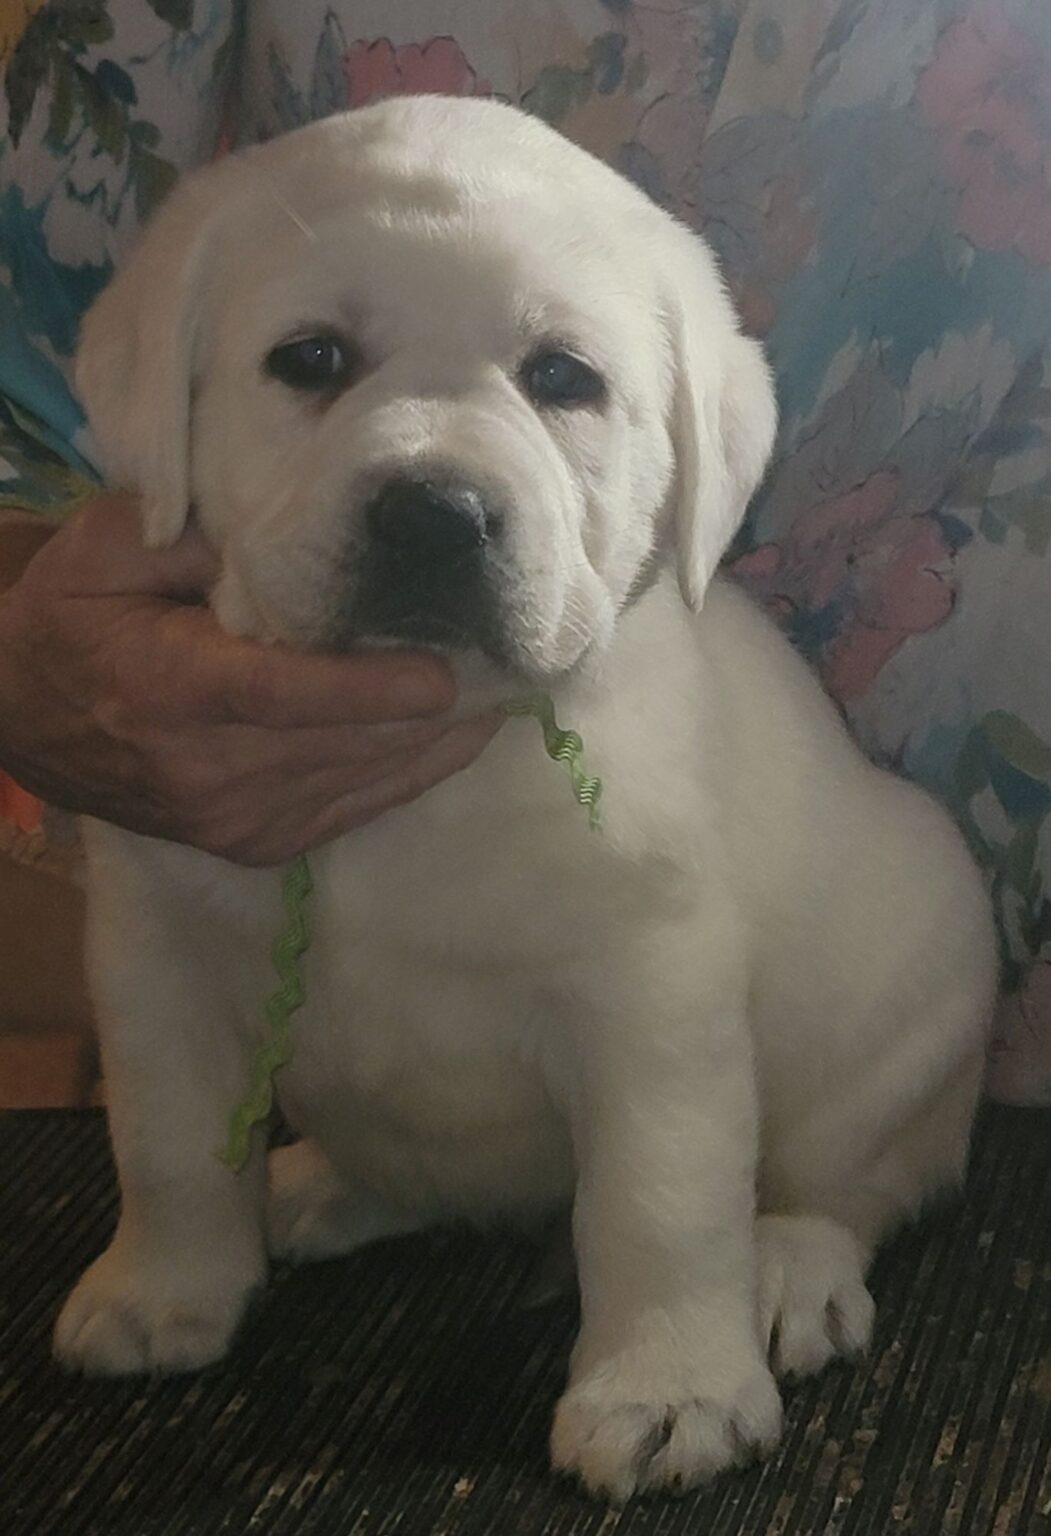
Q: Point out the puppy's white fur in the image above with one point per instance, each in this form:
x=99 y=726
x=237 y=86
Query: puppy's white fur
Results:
x=741 y=1029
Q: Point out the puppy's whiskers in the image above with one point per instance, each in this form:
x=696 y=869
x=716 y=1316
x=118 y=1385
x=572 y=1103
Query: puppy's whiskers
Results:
x=286 y=208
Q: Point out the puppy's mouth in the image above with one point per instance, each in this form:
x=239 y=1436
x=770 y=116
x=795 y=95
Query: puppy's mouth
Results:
x=456 y=621
x=476 y=623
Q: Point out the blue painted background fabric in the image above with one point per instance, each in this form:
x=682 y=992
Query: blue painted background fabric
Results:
x=876 y=178
x=102 y=106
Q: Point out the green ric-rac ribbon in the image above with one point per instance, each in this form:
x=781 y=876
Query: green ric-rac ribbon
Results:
x=561 y=746
x=276 y=1050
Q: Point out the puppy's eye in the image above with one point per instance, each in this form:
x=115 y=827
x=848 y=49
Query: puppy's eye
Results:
x=311 y=362
x=559 y=379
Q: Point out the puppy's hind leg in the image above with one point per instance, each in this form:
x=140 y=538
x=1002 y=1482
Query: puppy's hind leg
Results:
x=813 y=1302
x=312 y=1214
x=816 y=1241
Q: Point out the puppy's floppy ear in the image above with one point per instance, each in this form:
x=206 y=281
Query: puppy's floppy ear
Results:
x=137 y=354
x=724 y=416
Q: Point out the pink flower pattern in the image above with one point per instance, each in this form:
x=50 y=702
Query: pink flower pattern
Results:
x=439 y=66
x=884 y=570
x=987 y=92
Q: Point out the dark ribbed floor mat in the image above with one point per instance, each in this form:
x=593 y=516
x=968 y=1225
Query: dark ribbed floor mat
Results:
x=406 y=1390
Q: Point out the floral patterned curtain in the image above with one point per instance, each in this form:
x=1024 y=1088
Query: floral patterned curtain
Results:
x=875 y=176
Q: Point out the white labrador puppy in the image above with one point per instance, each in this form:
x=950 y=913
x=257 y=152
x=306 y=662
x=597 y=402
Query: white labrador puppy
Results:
x=428 y=373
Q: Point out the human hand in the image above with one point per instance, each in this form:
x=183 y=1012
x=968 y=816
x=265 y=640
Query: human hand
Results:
x=122 y=698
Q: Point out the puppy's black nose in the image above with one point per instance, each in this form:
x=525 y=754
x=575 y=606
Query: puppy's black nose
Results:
x=422 y=575
x=415 y=520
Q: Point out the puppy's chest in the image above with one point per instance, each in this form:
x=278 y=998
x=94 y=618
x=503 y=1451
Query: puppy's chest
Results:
x=429 y=1082
x=430 y=1043
x=433 y=1040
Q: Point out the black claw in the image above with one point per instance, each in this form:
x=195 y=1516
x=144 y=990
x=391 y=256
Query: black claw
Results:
x=656 y=1440
x=773 y=1348
x=834 y=1327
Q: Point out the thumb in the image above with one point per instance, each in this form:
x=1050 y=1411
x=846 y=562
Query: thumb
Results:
x=103 y=553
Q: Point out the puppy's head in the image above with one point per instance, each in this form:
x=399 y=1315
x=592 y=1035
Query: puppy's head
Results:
x=429 y=374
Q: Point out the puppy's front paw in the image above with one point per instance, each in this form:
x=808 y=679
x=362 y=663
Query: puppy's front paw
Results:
x=622 y=1433
x=813 y=1302
x=125 y=1315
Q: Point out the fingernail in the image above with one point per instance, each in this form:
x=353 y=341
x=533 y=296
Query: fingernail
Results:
x=420 y=691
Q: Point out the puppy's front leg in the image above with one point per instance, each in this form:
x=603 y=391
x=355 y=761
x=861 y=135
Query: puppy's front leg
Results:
x=189 y=1248
x=669 y=1383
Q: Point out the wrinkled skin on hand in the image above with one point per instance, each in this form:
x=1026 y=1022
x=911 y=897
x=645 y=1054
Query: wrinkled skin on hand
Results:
x=122 y=698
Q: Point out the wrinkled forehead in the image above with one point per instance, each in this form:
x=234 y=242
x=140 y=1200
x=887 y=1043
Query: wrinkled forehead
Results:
x=390 y=251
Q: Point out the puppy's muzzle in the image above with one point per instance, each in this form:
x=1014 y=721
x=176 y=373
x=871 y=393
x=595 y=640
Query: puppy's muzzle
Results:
x=424 y=575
